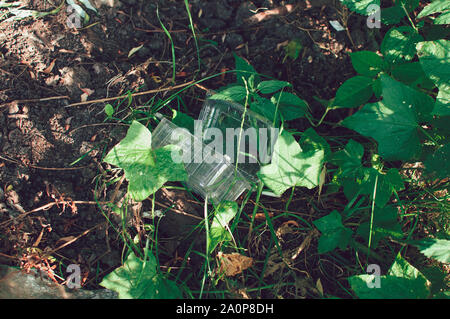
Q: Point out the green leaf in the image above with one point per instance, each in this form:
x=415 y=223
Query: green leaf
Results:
x=408 y=72
x=367 y=63
x=183 y=120
x=394 y=14
x=290 y=166
x=244 y=71
x=395 y=93
x=290 y=105
x=266 y=108
x=399 y=44
x=393 y=122
x=354 y=92
x=145 y=169
x=360 y=6
x=137 y=279
x=442 y=105
x=109 y=110
x=438 y=249
x=403 y=281
x=272 y=86
x=434 y=7
x=395 y=129
x=437 y=164
x=218 y=231
x=311 y=141
x=349 y=159
x=443 y=18
x=385 y=224
x=333 y=232
x=233 y=93
x=434 y=56
x=293 y=49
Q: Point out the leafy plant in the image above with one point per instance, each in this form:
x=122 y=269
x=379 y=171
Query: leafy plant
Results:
x=146 y=169
x=402 y=281
x=140 y=279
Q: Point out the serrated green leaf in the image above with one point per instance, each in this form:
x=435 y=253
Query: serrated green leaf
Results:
x=434 y=7
x=333 y=232
x=244 y=71
x=290 y=105
x=360 y=6
x=137 y=279
x=438 y=249
x=394 y=14
x=367 y=63
x=399 y=44
x=233 y=93
x=443 y=18
x=272 y=86
x=146 y=170
x=218 y=231
x=434 y=56
x=353 y=92
x=290 y=166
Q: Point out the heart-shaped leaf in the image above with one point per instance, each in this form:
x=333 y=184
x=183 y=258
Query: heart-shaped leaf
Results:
x=145 y=169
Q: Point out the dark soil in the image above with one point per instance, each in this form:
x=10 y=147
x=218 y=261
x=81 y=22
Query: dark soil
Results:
x=45 y=66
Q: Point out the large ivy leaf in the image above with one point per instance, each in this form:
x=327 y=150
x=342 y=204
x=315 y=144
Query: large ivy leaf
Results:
x=333 y=232
x=218 y=231
x=145 y=169
x=399 y=44
x=438 y=249
x=385 y=224
x=360 y=6
x=393 y=122
x=367 y=63
x=403 y=281
x=354 y=92
x=290 y=166
x=138 y=279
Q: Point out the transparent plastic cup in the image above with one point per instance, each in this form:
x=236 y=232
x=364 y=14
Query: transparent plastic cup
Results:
x=211 y=175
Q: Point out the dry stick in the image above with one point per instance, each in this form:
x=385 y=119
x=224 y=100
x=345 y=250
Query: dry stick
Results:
x=36 y=100
x=49 y=205
x=73 y=240
x=133 y=95
x=42 y=168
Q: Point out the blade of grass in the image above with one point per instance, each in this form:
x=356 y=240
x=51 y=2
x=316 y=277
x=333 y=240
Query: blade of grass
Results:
x=171 y=44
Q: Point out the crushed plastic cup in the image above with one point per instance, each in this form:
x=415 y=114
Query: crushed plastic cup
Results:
x=221 y=168
x=214 y=177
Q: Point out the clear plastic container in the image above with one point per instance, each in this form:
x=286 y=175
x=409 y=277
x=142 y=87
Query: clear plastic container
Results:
x=241 y=128
x=214 y=176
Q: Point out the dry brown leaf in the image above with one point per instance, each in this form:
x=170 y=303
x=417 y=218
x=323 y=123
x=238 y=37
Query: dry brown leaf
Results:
x=233 y=264
x=49 y=69
x=64 y=240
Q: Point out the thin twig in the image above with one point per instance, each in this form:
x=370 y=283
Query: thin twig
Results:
x=133 y=95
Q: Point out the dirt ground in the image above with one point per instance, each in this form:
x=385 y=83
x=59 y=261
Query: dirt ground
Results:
x=47 y=204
